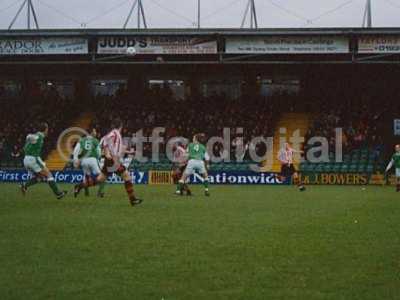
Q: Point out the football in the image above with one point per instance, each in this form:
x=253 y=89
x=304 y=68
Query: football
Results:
x=131 y=51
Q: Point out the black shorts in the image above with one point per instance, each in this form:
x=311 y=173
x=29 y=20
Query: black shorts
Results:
x=109 y=168
x=288 y=170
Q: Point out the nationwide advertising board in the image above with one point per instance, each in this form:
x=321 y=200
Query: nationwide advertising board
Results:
x=379 y=44
x=287 y=45
x=220 y=177
x=68 y=177
x=157 y=45
x=43 y=46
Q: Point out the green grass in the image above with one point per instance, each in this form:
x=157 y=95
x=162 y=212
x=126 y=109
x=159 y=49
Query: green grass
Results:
x=241 y=243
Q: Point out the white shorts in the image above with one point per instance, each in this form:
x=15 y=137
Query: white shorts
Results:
x=90 y=166
x=397 y=172
x=34 y=164
x=195 y=166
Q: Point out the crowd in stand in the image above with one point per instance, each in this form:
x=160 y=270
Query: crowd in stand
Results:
x=19 y=117
x=245 y=117
x=360 y=122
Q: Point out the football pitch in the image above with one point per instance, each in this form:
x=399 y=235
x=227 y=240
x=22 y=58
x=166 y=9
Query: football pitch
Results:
x=243 y=242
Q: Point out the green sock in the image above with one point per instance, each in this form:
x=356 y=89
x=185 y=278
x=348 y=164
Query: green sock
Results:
x=101 y=187
x=206 y=184
x=31 y=182
x=86 y=191
x=54 y=187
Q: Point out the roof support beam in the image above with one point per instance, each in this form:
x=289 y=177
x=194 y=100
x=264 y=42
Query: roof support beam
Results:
x=30 y=12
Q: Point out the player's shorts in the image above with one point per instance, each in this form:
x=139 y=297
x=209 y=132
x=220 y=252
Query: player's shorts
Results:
x=177 y=171
x=34 y=164
x=109 y=168
x=195 y=166
x=288 y=170
x=90 y=166
x=398 y=172
x=179 y=168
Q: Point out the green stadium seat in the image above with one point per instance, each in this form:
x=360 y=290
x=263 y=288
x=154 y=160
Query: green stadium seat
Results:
x=337 y=168
x=319 y=168
x=328 y=168
x=353 y=168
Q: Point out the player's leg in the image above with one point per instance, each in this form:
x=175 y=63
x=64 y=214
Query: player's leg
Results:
x=178 y=174
x=126 y=177
x=283 y=174
x=185 y=185
x=91 y=180
x=204 y=173
x=397 y=180
x=32 y=168
x=95 y=171
x=298 y=181
x=175 y=177
x=86 y=174
x=189 y=170
x=45 y=172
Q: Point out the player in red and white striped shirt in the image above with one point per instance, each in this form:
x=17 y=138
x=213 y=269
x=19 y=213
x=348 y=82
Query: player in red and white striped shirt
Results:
x=114 y=151
x=285 y=156
x=179 y=165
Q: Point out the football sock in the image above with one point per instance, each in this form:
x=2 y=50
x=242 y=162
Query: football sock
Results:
x=89 y=182
x=31 y=182
x=53 y=186
x=86 y=191
x=129 y=190
x=206 y=184
x=101 y=187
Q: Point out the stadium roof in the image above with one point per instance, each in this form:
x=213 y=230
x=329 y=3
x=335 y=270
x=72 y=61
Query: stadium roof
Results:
x=203 y=31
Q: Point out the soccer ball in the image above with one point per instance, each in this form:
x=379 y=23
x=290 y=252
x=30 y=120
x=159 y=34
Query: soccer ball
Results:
x=131 y=51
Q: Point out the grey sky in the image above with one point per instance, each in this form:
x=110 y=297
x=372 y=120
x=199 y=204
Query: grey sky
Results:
x=216 y=13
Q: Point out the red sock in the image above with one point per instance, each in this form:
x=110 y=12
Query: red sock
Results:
x=88 y=183
x=129 y=190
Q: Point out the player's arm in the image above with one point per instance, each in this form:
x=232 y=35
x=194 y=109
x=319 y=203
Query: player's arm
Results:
x=32 y=138
x=389 y=166
x=76 y=153
x=298 y=151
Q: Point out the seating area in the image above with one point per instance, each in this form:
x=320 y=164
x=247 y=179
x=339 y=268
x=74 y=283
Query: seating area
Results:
x=362 y=160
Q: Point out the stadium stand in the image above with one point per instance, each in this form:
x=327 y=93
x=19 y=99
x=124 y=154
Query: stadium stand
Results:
x=258 y=116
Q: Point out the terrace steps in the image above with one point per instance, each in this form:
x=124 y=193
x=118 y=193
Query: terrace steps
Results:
x=292 y=122
x=56 y=161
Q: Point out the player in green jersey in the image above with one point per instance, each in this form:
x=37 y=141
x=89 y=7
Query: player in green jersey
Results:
x=35 y=165
x=87 y=154
x=196 y=164
x=395 y=161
